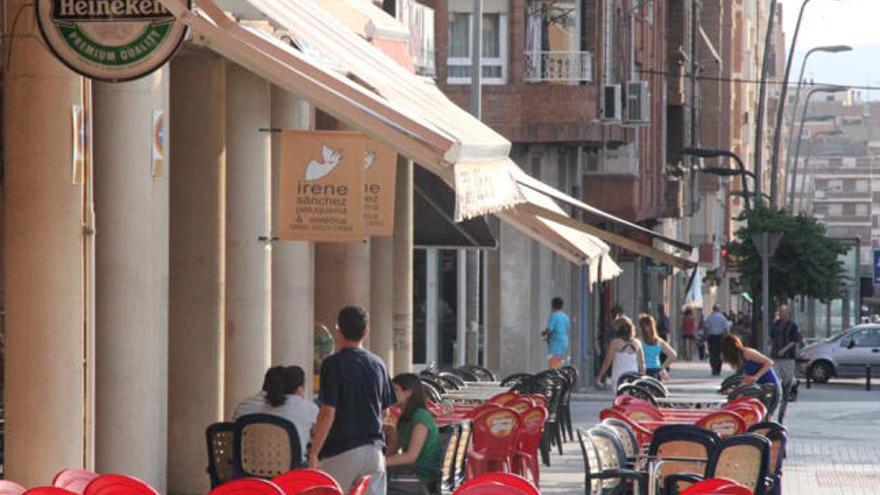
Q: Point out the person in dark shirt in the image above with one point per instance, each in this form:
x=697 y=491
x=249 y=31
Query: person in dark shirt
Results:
x=784 y=337
x=355 y=394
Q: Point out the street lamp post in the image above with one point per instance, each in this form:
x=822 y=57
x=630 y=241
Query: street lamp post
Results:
x=717 y=153
x=832 y=132
x=780 y=111
x=788 y=166
x=797 y=100
x=797 y=149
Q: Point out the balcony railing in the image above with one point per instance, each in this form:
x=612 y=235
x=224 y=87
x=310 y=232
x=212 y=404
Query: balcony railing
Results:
x=559 y=66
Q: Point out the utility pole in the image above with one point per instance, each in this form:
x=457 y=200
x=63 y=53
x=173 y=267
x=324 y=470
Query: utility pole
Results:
x=470 y=269
x=780 y=110
x=766 y=242
x=762 y=100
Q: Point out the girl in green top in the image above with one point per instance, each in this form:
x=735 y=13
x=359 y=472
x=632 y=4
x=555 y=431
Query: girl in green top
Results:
x=417 y=440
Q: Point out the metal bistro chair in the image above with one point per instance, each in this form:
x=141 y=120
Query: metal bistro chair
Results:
x=778 y=436
x=265 y=446
x=744 y=459
x=605 y=476
x=219 y=437
x=677 y=449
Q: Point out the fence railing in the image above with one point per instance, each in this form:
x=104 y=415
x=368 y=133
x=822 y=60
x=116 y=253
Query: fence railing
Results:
x=558 y=66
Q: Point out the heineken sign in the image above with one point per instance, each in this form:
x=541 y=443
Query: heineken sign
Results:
x=110 y=40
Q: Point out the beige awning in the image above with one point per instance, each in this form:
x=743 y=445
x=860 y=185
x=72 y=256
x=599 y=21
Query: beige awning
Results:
x=466 y=154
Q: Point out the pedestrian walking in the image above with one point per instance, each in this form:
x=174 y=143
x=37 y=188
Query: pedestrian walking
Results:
x=784 y=337
x=716 y=326
x=624 y=354
x=654 y=348
x=689 y=333
x=556 y=334
x=355 y=394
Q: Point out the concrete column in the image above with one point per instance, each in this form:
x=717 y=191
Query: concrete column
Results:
x=248 y=217
x=293 y=263
x=197 y=267
x=131 y=203
x=493 y=303
x=45 y=316
x=342 y=277
x=403 y=267
x=381 y=299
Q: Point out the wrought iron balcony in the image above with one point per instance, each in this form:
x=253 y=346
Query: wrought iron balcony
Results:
x=558 y=66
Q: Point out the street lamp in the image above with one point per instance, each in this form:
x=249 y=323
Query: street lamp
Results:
x=831 y=132
x=797 y=100
x=797 y=150
x=727 y=172
x=780 y=111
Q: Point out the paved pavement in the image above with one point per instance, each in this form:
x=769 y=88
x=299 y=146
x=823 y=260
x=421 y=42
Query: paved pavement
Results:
x=834 y=443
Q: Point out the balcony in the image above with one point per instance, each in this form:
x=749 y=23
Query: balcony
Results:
x=568 y=67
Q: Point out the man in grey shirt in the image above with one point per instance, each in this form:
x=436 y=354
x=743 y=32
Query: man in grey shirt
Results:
x=716 y=325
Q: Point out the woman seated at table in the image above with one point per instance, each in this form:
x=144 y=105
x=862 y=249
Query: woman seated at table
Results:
x=755 y=367
x=283 y=395
x=653 y=346
x=415 y=439
x=624 y=353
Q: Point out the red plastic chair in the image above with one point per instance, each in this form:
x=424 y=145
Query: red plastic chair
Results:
x=520 y=404
x=497 y=483
x=361 y=486
x=489 y=406
x=643 y=435
x=526 y=456
x=539 y=400
x=118 y=484
x=299 y=480
x=755 y=404
x=723 y=423
x=247 y=486
x=48 y=490
x=11 y=488
x=502 y=398
x=496 y=435
x=74 y=479
x=716 y=486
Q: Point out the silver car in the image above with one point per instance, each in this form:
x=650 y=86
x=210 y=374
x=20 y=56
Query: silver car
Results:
x=845 y=354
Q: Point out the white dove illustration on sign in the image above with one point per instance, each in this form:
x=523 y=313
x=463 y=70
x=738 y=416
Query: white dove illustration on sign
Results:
x=369 y=159
x=316 y=170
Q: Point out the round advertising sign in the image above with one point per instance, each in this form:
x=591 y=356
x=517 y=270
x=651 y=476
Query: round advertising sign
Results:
x=110 y=40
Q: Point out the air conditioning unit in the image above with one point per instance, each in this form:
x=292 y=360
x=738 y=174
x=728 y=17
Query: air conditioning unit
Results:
x=613 y=103
x=638 y=102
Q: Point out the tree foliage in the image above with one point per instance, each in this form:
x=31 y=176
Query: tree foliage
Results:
x=806 y=263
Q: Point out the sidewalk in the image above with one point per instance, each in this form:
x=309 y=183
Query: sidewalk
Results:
x=834 y=442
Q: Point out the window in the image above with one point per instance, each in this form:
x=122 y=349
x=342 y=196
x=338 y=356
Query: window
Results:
x=868 y=338
x=863 y=209
x=862 y=185
x=494 y=60
x=835 y=209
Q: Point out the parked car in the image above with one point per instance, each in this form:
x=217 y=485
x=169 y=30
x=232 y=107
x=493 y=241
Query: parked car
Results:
x=844 y=354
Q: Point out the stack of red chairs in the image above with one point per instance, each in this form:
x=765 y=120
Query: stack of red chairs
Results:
x=497 y=484
x=526 y=456
x=733 y=418
x=496 y=433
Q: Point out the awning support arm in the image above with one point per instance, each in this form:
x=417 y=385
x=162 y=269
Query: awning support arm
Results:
x=618 y=240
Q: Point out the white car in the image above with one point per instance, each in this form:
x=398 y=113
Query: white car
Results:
x=844 y=354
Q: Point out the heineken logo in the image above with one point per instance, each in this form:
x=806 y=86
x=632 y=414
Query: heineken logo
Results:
x=111 y=40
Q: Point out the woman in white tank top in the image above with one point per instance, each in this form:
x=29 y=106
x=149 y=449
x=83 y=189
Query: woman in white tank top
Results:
x=624 y=353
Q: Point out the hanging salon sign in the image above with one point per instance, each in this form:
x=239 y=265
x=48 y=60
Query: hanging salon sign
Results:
x=110 y=40
x=322 y=181
x=380 y=165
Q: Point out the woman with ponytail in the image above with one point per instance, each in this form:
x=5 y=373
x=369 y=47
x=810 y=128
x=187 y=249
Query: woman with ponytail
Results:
x=283 y=395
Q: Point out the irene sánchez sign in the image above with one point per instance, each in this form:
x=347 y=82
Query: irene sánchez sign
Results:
x=110 y=40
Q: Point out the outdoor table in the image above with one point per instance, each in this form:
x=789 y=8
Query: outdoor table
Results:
x=484 y=384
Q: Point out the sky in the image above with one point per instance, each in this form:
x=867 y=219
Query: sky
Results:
x=837 y=22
